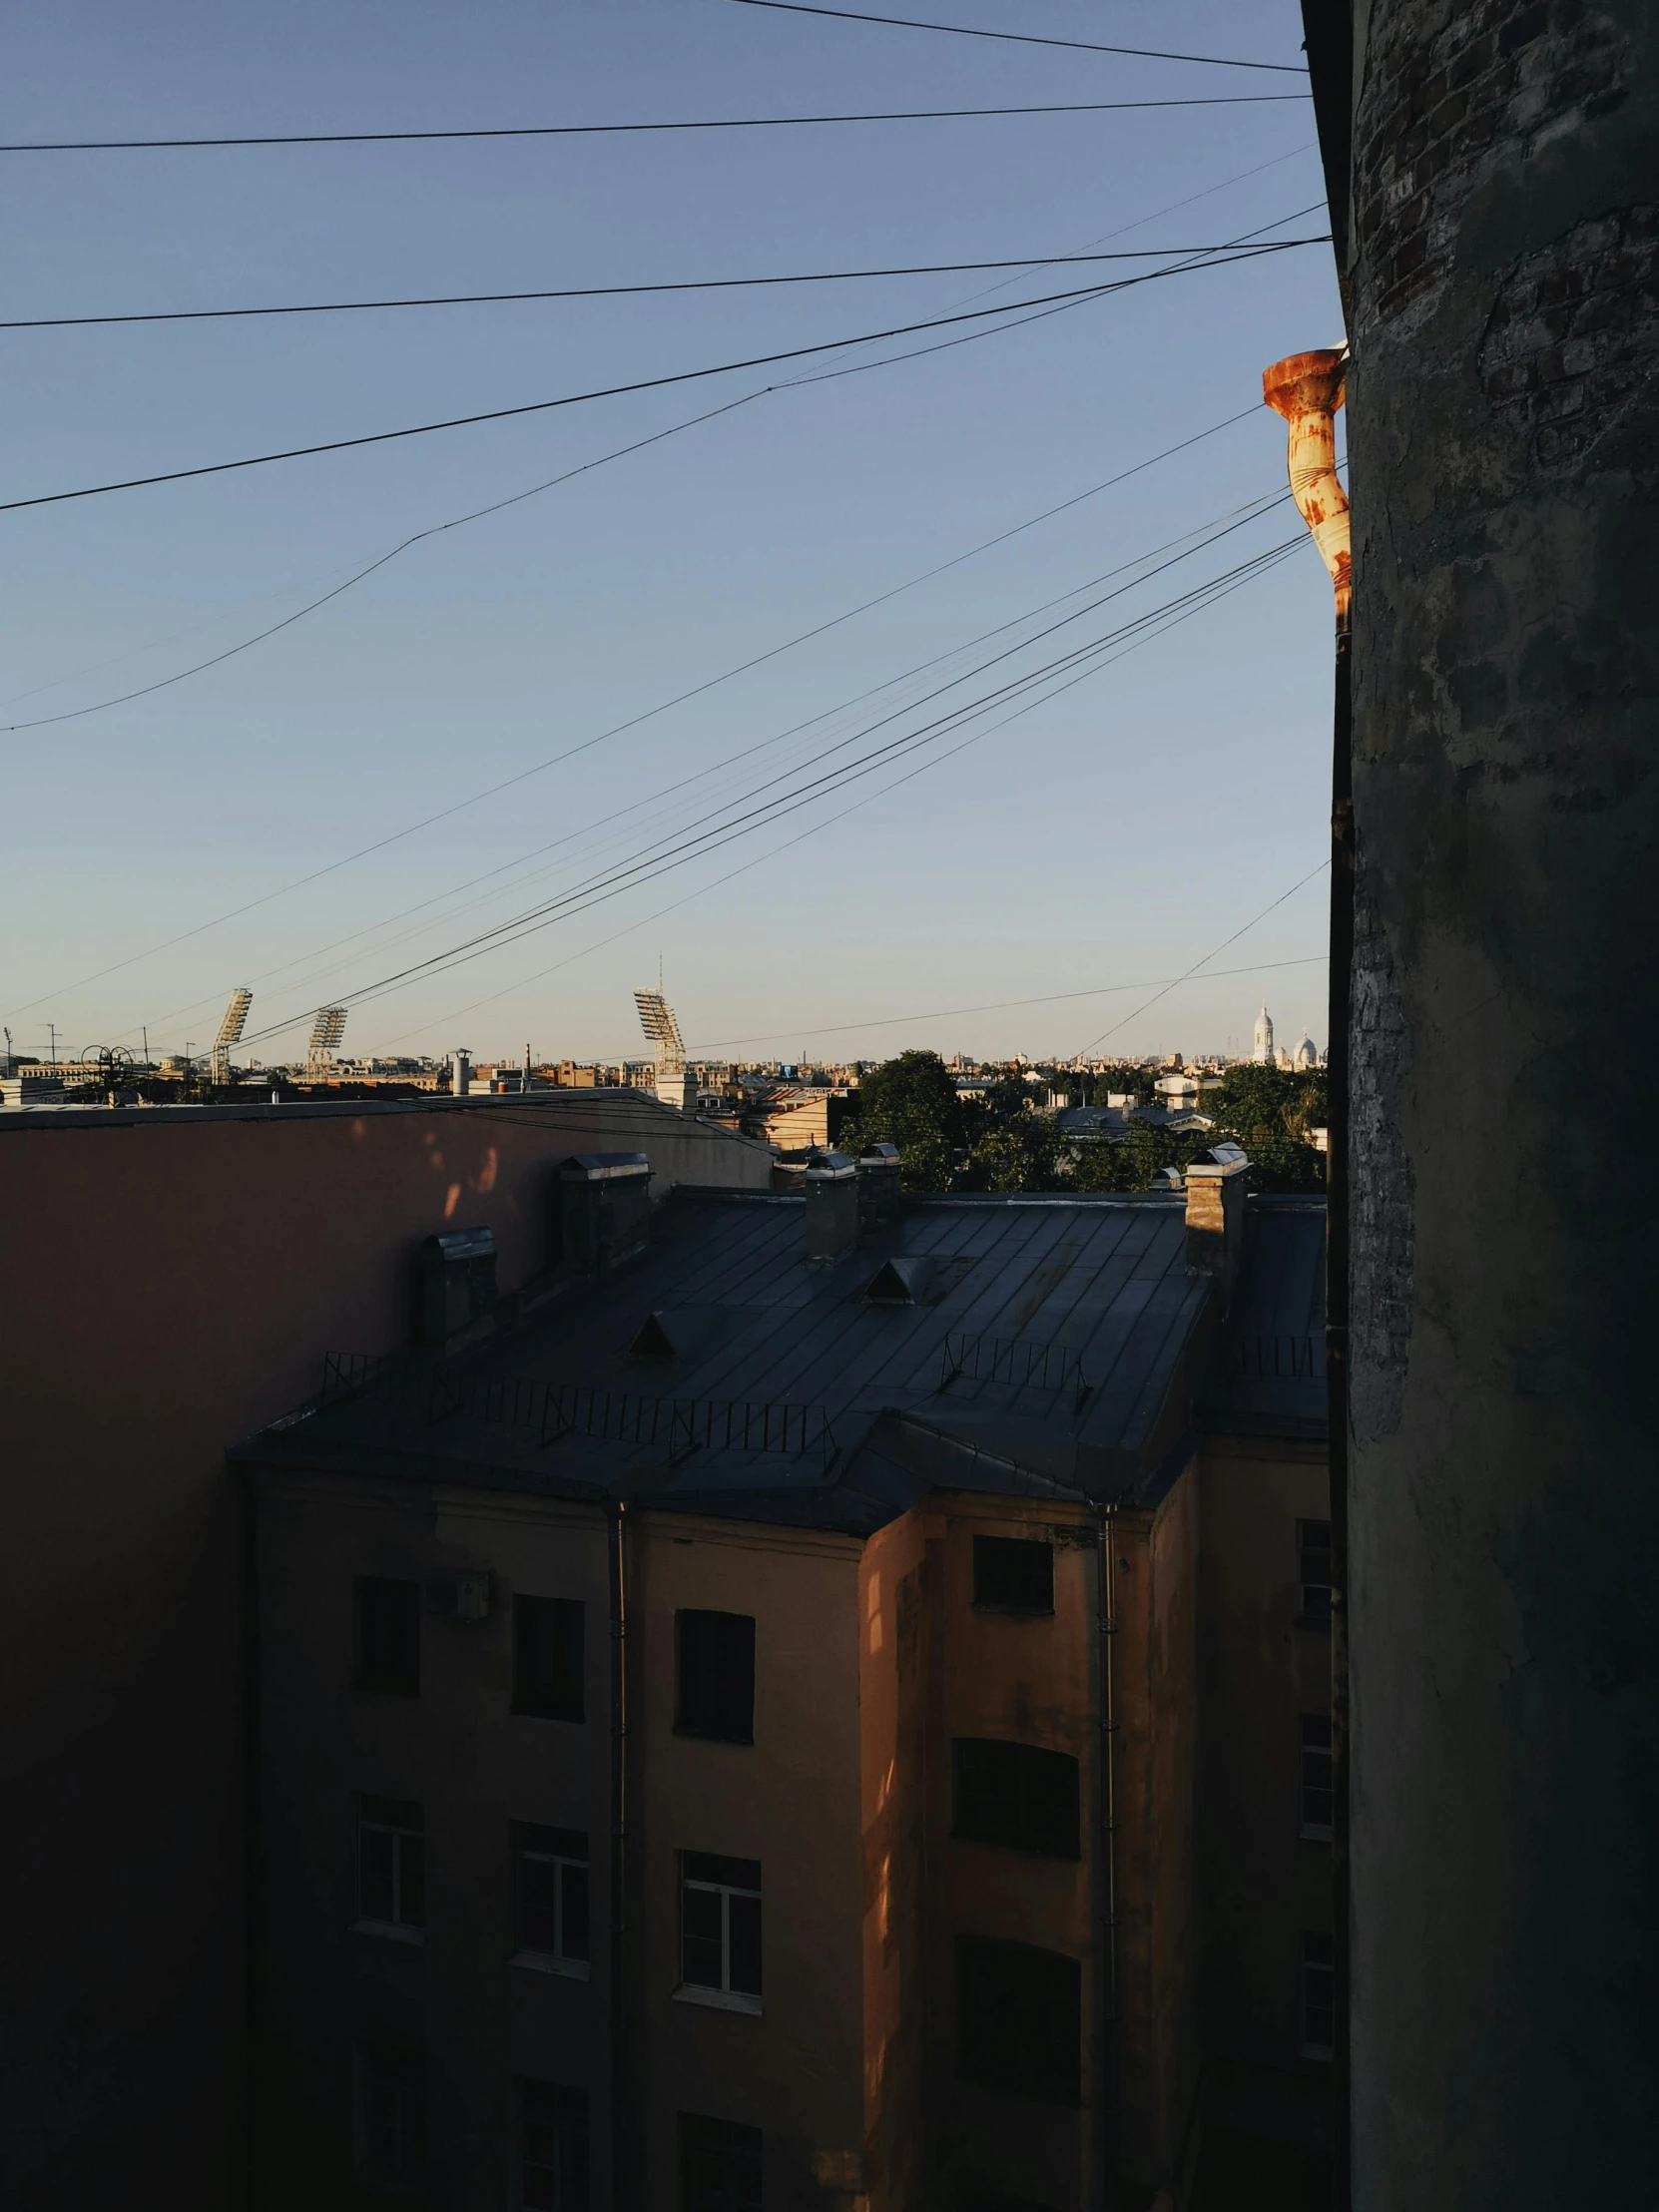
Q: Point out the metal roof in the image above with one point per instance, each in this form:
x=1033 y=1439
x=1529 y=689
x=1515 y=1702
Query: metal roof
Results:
x=1046 y=1346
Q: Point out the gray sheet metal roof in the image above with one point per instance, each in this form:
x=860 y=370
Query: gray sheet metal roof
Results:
x=1267 y=1373
x=1037 y=1359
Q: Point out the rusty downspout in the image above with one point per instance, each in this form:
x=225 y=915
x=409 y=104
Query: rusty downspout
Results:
x=1308 y=390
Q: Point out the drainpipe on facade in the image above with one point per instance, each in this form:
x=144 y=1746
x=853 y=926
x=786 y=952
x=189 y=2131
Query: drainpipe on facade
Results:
x=1106 y=1861
x=1308 y=390
x=622 y=2189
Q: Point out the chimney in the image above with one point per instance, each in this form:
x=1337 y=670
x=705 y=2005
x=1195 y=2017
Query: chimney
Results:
x=878 y=1167
x=460 y=1073
x=1215 y=1217
x=832 y=1205
x=457 y=1289
x=604 y=1209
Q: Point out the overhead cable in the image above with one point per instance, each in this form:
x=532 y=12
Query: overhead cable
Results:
x=626 y=130
x=1025 y=38
x=598 y=291
x=556 y=760
x=665 y=856
x=828 y=821
x=649 y=383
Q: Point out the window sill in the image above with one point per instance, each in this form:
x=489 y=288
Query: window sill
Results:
x=548 y=1961
x=712 y=1736
x=1314 y=1625
x=390 y=1933
x=1017 y=1612
x=1317 y=2054
x=1316 y=1835
x=718 y=2001
x=570 y=1720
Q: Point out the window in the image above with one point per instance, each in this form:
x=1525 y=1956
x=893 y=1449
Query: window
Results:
x=547 y=1657
x=391 y=1867
x=1313 y=1573
x=993 y=2200
x=720 y=2165
x=550 y=1897
x=552 y=2148
x=391 y=2114
x=388 y=1635
x=1019 y=2018
x=717 y=1676
x=1016 y=1795
x=1316 y=1776
x=1012 y=1575
x=1318 y=1996
x=719 y=1931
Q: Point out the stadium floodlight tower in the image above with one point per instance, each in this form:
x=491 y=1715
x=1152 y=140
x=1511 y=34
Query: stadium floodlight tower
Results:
x=326 y=1032
x=667 y=1048
x=230 y=1034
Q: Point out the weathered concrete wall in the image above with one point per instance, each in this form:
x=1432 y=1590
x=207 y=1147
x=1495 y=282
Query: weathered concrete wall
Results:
x=1504 y=1516
x=174 y=1278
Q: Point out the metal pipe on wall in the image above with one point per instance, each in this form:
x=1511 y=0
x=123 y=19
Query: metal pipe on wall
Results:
x=621 y=2178
x=1106 y=1604
x=1306 y=390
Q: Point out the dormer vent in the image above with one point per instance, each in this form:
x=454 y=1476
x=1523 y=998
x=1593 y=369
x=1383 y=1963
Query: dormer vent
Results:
x=604 y=1209
x=901 y=1282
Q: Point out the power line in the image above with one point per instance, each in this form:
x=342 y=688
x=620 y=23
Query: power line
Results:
x=600 y=292
x=1189 y=973
x=647 y=383
x=617 y=729
x=1250 y=513
x=995 y=1005
x=1220 y=527
x=829 y=822
x=1025 y=38
x=622 y=130
x=655 y=860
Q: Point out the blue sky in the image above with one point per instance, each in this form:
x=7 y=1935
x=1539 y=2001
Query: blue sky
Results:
x=1114 y=835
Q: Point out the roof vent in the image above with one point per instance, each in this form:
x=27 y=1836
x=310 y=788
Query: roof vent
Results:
x=457 y=1288
x=670 y=1332
x=1226 y=1152
x=832 y=1181
x=878 y=1172
x=604 y=1209
x=898 y=1283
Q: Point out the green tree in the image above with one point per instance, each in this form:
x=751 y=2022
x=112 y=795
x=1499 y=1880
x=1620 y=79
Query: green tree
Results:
x=911 y=1102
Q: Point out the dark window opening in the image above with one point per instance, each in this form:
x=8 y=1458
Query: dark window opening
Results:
x=547 y=1657
x=550 y=1887
x=720 y=2165
x=391 y=1863
x=1016 y=1795
x=717 y=1676
x=1316 y=1775
x=387 y=1635
x=1313 y=1573
x=1019 y=2019
x=720 y=1923
x=994 y=2200
x=1318 y=1996
x=391 y=2115
x=1011 y=1574
x=553 y=2167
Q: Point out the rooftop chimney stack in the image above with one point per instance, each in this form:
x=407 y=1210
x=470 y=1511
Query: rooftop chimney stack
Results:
x=878 y=1169
x=1215 y=1217
x=460 y=1074
x=831 y=1205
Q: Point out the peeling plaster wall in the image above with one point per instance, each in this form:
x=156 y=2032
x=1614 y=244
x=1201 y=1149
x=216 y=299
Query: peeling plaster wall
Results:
x=1504 y=1504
